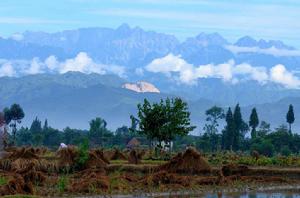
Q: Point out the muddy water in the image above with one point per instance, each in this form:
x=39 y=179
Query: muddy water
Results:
x=291 y=191
x=274 y=194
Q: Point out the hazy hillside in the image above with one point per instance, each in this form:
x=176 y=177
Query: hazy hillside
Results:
x=72 y=99
x=135 y=47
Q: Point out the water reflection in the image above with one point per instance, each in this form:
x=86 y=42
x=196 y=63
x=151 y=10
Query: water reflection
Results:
x=256 y=195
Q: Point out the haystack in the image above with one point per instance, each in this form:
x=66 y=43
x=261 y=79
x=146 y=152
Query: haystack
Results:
x=135 y=157
x=23 y=152
x=96 y=160
x=164 y=177
x=233 y=169
x=189 y=162
x=100 y=154
x=20 y=158
x=133 y=143
x=90 y=178
x=16 y=185
x=67 y=156
x=117 y=155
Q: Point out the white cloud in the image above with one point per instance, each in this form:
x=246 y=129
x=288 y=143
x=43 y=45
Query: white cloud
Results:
x=81 y=63
x=269 y=51
x=35 y=67
x=52 y=63
x=281 y=75
x=7 y=70
x=177 y=68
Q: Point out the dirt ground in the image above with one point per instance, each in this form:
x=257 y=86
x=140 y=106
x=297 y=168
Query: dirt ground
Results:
x=30 y=171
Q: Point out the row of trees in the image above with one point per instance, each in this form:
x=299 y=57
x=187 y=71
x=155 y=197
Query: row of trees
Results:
x=233 y=136
x=166 y=121
x=41 y=134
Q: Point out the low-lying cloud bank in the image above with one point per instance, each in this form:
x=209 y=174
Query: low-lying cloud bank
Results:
x=177 y=68
x=268 y=51
x=81 y=63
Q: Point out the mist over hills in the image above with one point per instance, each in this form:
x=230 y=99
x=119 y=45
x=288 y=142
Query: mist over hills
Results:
x=73 y=76
x=73 y=99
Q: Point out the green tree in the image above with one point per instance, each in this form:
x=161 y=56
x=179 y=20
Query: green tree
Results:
x=213 y=115
x=165 y=120
x=52 y=137
x=264 y=129
x=228 y=132
x=2 y=124
x=2 y=119
x=36 y=126
x=73 y=136
x=290 y=118
x=24 y=137
x=253 y=122
x=97 y=131
x=264 y=147
x=14 y=116
x=134 y=125
x=45 y=127
x=240 y=128
x=36 y=131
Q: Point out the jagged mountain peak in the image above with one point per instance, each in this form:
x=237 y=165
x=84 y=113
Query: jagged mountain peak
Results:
x=248 y=41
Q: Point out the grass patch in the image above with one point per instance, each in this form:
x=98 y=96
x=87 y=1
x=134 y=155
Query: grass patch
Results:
x=3 y=181
x=152 y=162
x=62 y=184
x=20 y=196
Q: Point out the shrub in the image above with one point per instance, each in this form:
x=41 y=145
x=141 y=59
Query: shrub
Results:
x=83 y=154
x=265 y=147
x=285 y=151
x=62 y=184
x=3 y=181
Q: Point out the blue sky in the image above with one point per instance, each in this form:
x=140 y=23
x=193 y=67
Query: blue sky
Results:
x=268 y=19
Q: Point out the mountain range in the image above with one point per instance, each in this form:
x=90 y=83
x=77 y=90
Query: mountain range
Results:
x=73 y=99
x=72 y=76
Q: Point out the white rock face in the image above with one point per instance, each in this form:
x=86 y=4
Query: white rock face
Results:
x=141 y=87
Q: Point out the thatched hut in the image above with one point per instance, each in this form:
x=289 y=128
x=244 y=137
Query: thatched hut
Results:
x=133 y=143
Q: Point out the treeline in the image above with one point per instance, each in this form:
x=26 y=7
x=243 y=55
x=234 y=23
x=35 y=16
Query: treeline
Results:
x=235 y=135
x=165 y=123
x=41 y=134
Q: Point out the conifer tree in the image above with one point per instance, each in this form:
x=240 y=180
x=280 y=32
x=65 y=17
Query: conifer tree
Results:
x=238 y=123
x=228 y=133
x=290 y=117
x=253 y=122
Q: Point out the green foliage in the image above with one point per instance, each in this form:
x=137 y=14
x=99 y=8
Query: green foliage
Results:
x=290 y=118
x=97 y=130
x=253 y=122
x=264 y=147
x=12 y=116
x=229 y=131
x=83 y=154
x=36 y=126
x=3 y=181
x=213 y=115
x=211 y=128
x=240 y=128
x=285 y=151
x=62 y=184
x=164 y=121
x=264 y=129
